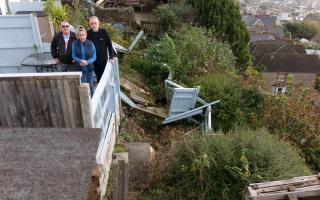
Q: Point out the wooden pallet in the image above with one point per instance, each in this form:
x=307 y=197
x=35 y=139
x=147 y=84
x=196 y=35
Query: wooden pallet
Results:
x=306 y=188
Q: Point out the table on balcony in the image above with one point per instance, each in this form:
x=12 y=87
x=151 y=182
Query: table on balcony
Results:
x=42 y=61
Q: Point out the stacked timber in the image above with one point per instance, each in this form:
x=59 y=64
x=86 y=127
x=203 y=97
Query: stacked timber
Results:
x=302 y=188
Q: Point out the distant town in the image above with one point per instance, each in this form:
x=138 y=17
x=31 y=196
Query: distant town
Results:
x=287 y=10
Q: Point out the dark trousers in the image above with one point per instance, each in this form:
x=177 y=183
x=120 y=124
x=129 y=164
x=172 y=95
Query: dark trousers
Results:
x=99 y=69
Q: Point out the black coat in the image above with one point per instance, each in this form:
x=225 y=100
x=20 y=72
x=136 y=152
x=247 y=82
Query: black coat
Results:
x=102 y=44
x=58 y=45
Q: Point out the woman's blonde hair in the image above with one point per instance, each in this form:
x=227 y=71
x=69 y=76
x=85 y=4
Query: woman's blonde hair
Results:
x=81 y=29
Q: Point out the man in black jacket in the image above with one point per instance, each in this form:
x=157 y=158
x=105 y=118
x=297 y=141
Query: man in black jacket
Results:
x=103 y=45
x=61 y=46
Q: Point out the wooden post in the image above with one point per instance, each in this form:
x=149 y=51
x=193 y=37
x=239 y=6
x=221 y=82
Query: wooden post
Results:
x=120 y=166
x=85 y=102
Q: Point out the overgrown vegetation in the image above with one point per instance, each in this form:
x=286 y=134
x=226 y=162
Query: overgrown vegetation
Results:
x=77 y=15
x=239 y=105
x=295 y=117
x=188 y=54
x=171 y=16
x=224 y=18
x=219 y=167
x=305 y=29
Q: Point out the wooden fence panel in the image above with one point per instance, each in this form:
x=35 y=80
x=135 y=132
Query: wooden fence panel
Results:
x=150 y=27
x=40 y=100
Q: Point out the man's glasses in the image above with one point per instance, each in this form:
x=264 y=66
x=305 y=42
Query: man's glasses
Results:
x=65 y=26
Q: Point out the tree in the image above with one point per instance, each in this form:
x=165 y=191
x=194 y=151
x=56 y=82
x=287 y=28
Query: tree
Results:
x=305 y=29
x=312 y=17
x=224 y=18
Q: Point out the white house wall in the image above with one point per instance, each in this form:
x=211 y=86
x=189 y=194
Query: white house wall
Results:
x=25 y=6
x=19 y=37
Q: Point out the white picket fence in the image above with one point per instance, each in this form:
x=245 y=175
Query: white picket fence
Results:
x=105 y=107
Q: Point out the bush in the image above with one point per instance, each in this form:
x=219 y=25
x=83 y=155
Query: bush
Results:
x=219 y=167
x=200 y=52
x=224 y=18
x=189 y=54
x=155 y=64
x=77 y=15
x=305 y=29
x=57 y=13
x=238 y=106
x=171 y=16
x=295 y=117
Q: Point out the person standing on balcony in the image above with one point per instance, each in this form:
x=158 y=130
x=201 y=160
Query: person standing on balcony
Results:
x=84 y=54
x=103 y=44
x=61 y=46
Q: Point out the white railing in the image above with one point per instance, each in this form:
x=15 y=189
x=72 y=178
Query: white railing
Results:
x=105 y=106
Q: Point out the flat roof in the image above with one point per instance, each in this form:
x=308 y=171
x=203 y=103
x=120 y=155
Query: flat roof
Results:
x=47 y=163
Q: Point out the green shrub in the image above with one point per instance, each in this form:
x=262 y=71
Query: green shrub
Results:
x=171 y=16
x=77 y=15
x=155 y=64
x=57 y=14
x=219 y=167
x=295 y=117
x=225 y=19
x=238 y=105
x=189 y=53
x=200 y=53
x=304 y=29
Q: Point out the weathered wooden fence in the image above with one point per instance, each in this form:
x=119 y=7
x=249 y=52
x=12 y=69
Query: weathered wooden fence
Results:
x=40 y=100
x=150 y=27
x=149 y=5
x=123 y=16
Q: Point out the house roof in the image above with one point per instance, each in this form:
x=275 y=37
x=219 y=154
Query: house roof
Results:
x=267 y=20
x=261 y=36
x=258 y=50
x=45 y=163
x=249 y=20
x=279 y=41
x=291 y=63
x=277 y=31
x=37 y=13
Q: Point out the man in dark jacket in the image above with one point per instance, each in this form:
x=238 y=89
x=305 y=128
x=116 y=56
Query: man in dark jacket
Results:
x=61 y=46
x=103 y=45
